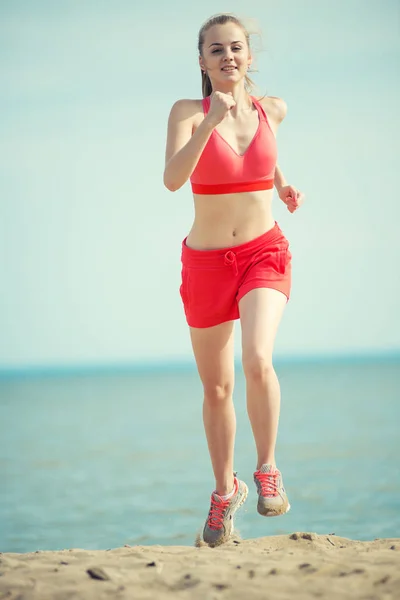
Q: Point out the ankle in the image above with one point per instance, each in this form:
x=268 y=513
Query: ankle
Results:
x=225 y=488
x=266 y=461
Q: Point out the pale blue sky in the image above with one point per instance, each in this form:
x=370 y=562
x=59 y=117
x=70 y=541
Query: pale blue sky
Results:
x=90 y=239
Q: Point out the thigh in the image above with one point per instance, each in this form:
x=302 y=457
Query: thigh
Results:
x=213 y=349
x=261 y=311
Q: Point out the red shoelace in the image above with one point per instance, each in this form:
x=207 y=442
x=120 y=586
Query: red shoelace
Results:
x=216 y=514
x=269 y=483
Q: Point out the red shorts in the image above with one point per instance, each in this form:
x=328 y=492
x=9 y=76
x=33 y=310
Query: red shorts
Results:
x=214 y=281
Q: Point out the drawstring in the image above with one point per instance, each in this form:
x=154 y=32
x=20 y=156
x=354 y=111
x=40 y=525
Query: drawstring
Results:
x=230 y=261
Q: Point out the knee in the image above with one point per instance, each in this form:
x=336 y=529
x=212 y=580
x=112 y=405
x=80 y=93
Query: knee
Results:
x=217 y=393
x=257 y=368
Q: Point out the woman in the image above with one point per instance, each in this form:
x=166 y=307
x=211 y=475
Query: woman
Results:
x=235 y=260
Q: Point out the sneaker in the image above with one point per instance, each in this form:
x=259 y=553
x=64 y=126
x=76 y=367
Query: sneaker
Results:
x=219 y=524
x=272 y=498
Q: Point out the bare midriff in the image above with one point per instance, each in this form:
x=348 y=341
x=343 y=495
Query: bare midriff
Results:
x=226 y=220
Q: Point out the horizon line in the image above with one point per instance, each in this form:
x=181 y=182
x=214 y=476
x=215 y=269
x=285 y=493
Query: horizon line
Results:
x=184 y=364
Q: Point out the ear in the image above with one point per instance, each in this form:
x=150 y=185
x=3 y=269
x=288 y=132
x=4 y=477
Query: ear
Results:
x=201 y=63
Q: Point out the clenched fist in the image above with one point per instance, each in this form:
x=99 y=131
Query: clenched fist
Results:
x=292 y=197
x=220 y=105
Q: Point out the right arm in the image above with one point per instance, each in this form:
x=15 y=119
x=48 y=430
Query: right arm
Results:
x=184 y=149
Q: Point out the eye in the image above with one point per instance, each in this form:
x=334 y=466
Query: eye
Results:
x=237 y=48
x=216 y=50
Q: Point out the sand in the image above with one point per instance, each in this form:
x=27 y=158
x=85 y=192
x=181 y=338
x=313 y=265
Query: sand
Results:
x=296 y=566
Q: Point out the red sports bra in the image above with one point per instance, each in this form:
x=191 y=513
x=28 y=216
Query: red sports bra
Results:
x=220 y=170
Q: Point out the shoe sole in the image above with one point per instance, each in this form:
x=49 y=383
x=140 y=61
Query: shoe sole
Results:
x=274 y=514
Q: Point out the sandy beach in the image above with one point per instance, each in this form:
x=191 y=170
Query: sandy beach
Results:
x=299 y=565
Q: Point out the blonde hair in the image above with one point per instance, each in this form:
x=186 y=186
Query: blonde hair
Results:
x=220 y=19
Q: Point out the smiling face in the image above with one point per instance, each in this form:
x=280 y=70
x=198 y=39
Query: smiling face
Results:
x=225 y=54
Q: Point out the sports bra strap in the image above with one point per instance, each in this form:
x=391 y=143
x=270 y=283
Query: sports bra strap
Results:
x=261 y=111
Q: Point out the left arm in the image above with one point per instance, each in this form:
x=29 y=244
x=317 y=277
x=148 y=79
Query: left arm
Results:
x=276 y=110
x=289 y=195
x=279 y=180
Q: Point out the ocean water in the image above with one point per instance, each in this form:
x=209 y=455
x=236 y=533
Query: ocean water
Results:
x=101 y=460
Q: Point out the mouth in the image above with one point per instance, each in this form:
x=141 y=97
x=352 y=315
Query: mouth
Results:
x=228 y=69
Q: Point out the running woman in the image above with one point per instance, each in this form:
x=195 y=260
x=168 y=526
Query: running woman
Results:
x=236 y=262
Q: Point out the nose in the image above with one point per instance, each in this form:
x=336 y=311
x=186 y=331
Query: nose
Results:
x=228 y=55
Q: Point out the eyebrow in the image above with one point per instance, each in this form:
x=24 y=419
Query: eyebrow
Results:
x=219 y=44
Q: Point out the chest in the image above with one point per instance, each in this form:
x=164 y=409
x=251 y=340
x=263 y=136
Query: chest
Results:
x=239 y=132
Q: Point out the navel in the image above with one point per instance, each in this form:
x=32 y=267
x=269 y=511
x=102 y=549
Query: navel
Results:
x=234 y=233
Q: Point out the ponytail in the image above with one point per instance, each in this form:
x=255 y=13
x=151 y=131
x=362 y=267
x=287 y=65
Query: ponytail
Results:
x=206 y=86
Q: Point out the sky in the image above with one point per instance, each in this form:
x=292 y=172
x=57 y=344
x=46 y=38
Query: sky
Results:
x=89 y=237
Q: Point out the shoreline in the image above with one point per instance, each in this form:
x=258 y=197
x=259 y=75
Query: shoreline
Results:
x=299 y=565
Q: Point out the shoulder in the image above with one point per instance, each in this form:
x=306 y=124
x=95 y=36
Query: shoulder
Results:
x=185 y=109
x=276 y=108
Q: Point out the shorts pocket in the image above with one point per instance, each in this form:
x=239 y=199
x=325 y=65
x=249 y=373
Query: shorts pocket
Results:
x=183 y=289
x=280 y=259
x=274 y=258
x=284 y=258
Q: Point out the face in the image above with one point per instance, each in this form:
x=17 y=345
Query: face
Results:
x=226 y=56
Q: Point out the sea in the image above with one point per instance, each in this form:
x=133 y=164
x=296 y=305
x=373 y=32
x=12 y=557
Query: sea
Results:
x=100 y=459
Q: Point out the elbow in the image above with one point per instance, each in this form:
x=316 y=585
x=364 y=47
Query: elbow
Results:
x=172 y=186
